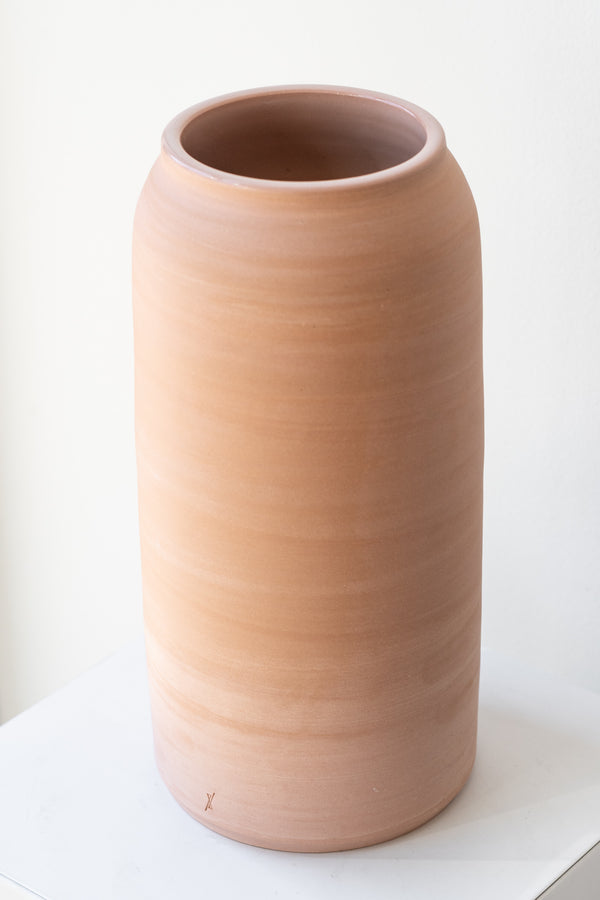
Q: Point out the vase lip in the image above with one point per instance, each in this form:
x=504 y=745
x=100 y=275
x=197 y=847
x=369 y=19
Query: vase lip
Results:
x=433 y=146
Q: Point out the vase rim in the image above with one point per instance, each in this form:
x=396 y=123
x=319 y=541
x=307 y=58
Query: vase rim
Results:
x=433 y=140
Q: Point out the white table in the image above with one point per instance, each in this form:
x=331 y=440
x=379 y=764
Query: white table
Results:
x=84 y=815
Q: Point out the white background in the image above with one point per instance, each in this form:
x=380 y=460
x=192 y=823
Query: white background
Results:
x=86 y=91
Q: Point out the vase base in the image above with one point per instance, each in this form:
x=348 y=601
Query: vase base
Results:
x=327 y=844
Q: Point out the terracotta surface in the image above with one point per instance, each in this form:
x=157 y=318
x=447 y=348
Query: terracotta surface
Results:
x=309 y=422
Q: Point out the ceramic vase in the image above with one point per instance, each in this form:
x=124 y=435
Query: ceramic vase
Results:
x=309 y=430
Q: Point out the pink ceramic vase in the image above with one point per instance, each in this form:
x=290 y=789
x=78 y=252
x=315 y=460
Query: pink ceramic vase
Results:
x=309 y=425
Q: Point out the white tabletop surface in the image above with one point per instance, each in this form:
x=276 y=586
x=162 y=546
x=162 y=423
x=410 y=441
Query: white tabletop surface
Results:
x=85 y=816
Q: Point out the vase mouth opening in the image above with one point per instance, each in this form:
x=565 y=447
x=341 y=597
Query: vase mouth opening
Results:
x=302 y=136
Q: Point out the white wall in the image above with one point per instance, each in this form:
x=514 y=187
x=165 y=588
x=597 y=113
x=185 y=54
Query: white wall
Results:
x=87 y=89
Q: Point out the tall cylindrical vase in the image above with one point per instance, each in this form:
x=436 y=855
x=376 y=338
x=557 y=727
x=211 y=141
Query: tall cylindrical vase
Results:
x=309 y=427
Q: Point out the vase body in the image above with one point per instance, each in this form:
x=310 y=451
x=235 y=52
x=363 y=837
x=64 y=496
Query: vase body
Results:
x=309 y=431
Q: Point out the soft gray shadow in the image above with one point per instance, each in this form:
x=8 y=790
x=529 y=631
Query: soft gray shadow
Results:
x=527 y=769
x=7 y=640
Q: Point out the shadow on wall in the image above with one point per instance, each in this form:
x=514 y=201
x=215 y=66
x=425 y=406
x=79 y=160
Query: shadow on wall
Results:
x=7 y=644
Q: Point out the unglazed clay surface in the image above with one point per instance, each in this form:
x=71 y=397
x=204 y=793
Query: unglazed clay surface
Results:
x=309 y=427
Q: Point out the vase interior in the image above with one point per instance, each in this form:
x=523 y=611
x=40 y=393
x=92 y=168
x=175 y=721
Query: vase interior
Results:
x=303 y=136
